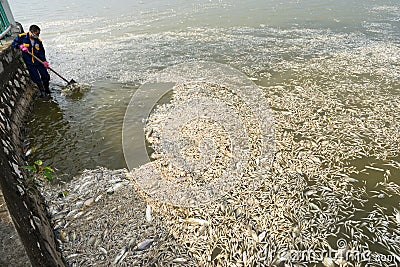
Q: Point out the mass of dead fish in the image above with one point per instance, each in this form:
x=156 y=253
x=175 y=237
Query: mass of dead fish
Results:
x=334 y=176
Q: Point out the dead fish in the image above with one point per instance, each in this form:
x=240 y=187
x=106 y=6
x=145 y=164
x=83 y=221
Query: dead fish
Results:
x=244 y=258
x=119 y=257
x=149 y=218
x=72 y=236
x=275 y=188
x=324 y=188
x=31 y=150
x=84 y=185
x=114 y=188
x=144 y=244
x=58 y=225
x=91 y=241
x=98 y=198
x=64 y=236
x=310 y=192
x=351 y=180
x=182 y=179
x=28 y=152
x=296 y=232
x=261 y=236
x=196 y=221
x=131 y=242
x=254 y=236
x=103 y=251
x=97 y=242
x=79 y=204
x=328 y=262
x=202 y=229
x=72 y=256
x=79 y=214
x=21 y=190
x=314 y=207
x=179 y=260
x=380 y=196
x=396 y=213
x=72 y=212
x=374 y=168
x=88 y=202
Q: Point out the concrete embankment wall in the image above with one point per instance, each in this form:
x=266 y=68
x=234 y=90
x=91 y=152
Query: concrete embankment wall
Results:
x=24 y=211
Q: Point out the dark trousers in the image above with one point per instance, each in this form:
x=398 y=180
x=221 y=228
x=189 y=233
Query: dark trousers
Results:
x=40 y=76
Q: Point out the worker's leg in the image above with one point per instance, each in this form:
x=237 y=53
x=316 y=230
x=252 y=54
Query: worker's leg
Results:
x=44 y=74
x=35 y=76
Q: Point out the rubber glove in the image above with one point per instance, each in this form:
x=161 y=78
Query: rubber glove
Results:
x=23 y=48
x=46 y=64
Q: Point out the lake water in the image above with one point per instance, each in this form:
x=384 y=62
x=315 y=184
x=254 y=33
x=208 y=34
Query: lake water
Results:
x=115 y=45
x=338 y=47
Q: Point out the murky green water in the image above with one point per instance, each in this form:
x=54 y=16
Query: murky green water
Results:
x=75 y=132
x=348 y=51
x=110 y=45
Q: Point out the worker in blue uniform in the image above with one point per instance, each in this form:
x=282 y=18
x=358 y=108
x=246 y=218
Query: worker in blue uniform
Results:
x=29 y=41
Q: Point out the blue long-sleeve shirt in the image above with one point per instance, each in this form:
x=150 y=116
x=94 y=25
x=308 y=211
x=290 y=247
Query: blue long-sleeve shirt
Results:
x=34 y=46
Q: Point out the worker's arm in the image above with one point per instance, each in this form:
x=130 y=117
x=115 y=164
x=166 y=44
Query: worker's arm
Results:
x=17 y=42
